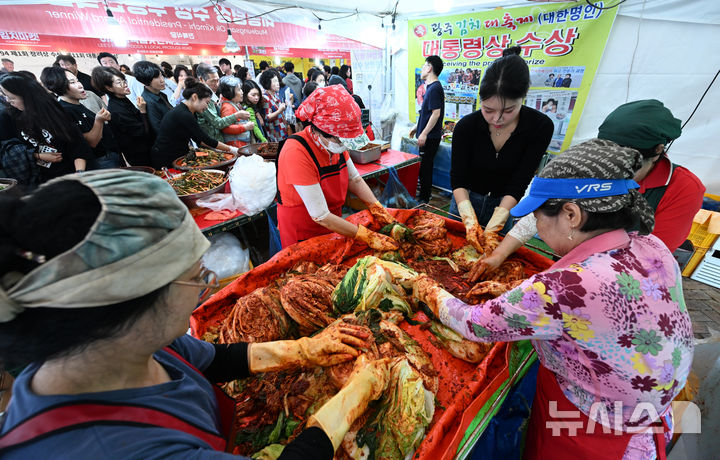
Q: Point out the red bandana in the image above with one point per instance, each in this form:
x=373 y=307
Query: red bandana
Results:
x=333 y=110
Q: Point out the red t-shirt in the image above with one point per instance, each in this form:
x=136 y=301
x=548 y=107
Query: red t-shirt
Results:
x=295 y=167
x=681 y=201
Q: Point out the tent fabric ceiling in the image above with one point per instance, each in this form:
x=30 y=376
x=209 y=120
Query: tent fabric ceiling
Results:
x=698 y=11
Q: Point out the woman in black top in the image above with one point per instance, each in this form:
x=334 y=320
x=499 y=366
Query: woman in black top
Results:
x=496 y=150
x=129 y=124
x=180 y=125
x=94 y=126
x=41 y=122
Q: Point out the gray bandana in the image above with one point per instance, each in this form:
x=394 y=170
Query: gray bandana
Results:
x=602 y=159
x=143 y=239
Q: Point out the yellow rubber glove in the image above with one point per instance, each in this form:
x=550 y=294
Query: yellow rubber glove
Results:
x=380 y=214
x=430 y=292
x=497 y=220
x=336 y=343
x=375 y=240
x=367 y=383
x=473 y=231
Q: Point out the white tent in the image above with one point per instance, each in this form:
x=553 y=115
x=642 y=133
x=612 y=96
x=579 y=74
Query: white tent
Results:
x=660 y=49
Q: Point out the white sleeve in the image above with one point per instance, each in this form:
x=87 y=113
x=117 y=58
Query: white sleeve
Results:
x=352 y=170
x=314 y=200
x=524 y=229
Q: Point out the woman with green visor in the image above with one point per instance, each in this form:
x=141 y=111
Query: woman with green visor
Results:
x=608 y=320
x=99 y=275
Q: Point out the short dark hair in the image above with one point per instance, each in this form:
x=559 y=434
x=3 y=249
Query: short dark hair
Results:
x=193 y=86
x=181 y=68
x=39 y=334
x=242 y=73
x=105 y=54
x=335 y=70
x=266 y=78
x=102 y=78
x=224 y=61
x=327 y=68
x=436 y=63
x=65 y=57
x=309 y=88
x=289 y=66
x=55 y=80
x=551 y=75
x=507 y=77
x=623 y=218
x=146 y=72
x=264 y=65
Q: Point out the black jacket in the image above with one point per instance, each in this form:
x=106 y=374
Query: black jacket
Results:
x=476 y=165
x=131 y=131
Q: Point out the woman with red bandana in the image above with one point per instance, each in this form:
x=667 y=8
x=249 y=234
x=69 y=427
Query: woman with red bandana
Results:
x=315 y=173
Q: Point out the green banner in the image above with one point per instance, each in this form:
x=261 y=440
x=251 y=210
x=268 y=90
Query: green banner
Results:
x=561 y=42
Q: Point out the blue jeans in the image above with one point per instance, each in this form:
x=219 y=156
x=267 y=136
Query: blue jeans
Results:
x=484 y=207
x=107 y=161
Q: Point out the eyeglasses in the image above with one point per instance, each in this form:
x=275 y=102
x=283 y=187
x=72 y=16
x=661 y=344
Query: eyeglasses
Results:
x=120 y=83
x=206 y=279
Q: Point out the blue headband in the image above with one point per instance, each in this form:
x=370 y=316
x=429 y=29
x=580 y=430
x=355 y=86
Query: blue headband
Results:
x=543 y=189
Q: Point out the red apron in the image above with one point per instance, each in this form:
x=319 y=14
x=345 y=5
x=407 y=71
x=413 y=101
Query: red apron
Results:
x=294 y=222
x=65 y=417
x=540 y=443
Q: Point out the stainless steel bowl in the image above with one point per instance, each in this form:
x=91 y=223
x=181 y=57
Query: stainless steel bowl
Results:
x=191 y=199
x=224 y=165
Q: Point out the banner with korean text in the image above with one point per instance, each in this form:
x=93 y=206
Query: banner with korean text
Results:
x=561 y=42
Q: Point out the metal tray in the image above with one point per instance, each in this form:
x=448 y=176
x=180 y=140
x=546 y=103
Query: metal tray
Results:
x=252 y=149
x=368 y=155
x=191 y=199
x=224 y=165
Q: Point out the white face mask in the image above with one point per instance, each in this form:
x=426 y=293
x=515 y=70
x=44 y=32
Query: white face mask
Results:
x=331 y=146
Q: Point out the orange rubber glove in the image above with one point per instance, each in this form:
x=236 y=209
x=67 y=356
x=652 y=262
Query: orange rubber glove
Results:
x=366 y=383
x=380 y=214
x=375 y=240
x=335 y=344
x=473 y=231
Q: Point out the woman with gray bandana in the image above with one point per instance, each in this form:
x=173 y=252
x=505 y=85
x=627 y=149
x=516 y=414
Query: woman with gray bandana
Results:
x=96 y=295
x=608 y=320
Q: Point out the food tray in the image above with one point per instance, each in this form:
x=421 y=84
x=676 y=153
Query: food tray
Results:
x=224 y=165
x=6 y=184
x=371 y=152
x=191 y=199
x=264 y=149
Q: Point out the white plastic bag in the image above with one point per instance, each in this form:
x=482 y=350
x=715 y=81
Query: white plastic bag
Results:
x=226 y=256
x=252 y=182
x=252 y=186
x=218 y=202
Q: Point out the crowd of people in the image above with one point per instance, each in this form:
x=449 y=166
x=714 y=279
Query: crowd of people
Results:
x=115 y=115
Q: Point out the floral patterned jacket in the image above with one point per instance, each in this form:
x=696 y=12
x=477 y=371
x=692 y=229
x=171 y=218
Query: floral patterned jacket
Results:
x=609 y=319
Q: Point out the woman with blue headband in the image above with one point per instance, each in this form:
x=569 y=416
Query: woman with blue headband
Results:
x=607 y=320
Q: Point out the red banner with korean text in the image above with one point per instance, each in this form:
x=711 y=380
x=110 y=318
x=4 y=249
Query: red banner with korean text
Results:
x=31 y=45
x=562 y=44
x=207 y=25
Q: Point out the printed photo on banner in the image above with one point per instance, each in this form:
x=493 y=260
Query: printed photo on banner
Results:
x=558 y=105
x=556 y=77
x=562 y=44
